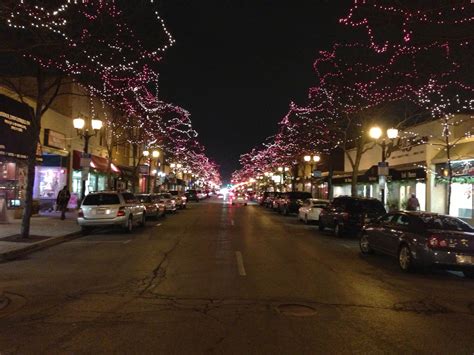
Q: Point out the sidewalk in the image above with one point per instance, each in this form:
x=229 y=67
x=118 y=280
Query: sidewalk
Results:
x=46 y=230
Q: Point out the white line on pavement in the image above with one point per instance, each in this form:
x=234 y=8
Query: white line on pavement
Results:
x=240 y=263
x=127 y=241
x=157 y=225
x=232 y=222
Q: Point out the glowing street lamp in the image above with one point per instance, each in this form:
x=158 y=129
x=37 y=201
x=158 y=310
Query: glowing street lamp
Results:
x=377 y=133
x=82 y=129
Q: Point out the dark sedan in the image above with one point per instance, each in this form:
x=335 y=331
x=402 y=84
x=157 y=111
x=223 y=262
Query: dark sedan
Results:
x=421 y=239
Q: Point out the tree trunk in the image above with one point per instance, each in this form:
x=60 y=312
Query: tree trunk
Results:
x=31 y=165
x=450 y=173
x=330 y=185
x=355 y=168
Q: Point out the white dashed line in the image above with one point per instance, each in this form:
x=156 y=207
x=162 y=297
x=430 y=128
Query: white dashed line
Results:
x=157 y=225
x=240 y=263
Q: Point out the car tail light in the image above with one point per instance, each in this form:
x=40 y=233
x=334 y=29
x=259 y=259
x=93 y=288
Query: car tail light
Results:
x=121 y=212
x=437 y=241
x=345 y=216
x=80 y=213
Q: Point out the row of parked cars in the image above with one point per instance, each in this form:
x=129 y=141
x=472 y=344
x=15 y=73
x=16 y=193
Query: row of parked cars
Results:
x=417 y=239
x=125 y=209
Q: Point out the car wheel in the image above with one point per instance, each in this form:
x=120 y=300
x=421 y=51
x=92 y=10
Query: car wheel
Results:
x=129 y=225
x=321 y=226
x=405 y=259
x=338 y=230
x=364 y=245
x=468 y=274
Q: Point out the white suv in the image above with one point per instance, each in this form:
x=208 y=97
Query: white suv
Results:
x=110 y=208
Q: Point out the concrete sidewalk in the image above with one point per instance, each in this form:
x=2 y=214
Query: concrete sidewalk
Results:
x=48 y=226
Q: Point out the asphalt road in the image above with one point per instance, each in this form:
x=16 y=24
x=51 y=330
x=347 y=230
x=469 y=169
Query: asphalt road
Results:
x=228 y=279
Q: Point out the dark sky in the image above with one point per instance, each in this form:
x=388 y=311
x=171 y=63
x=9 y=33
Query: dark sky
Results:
x=236 y=65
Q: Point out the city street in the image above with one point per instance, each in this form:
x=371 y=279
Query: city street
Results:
x=217 y=278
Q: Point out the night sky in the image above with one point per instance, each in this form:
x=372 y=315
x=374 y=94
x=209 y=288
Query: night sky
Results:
x=237 y=65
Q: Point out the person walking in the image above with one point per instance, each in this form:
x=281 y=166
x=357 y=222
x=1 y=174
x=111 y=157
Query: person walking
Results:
x=413 y=204
x=62 y=200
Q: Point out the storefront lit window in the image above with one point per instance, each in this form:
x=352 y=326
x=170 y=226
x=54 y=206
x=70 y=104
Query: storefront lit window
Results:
x=48 y=181
x=461 y=200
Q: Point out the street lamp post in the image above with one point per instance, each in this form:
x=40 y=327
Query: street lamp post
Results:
x=83 y=131
x=155 y=154
x=376 y=133
x=283 y=171
x=313 y=160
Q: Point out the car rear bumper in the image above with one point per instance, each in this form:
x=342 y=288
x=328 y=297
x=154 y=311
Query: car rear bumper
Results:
x=92 y=222
x=445 y=259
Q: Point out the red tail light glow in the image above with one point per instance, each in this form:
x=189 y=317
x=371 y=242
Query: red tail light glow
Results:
x=80 y=213
x=121 y=212
x=345 y=216
x=437 y=241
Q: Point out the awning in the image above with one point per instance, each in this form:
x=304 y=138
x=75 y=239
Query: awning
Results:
x=97 y=163
x=127 y=173
x=463 y=151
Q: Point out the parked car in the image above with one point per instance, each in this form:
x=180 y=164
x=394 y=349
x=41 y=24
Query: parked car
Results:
x=276 y=200
x=348 y=214
x=311 y=210
x=110 y=208
x=192 y=195
x=240 y=198
x=422 y=239
x=292 y=201
x=153 y=207
x=180 y=199
x=267 y=199
x=169 y=201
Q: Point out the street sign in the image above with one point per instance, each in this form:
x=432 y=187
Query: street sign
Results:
x=317 y=173
x=86 y=159
x=383 y=169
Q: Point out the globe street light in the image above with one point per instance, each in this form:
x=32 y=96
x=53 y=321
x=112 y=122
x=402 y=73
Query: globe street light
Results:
x=313 y=160
x=377 y=133
x=82 y=129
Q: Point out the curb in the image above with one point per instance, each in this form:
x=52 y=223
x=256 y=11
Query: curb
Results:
x=15 y=254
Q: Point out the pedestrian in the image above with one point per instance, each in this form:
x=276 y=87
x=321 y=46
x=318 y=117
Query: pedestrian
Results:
x=413 y=204
x=62 y=200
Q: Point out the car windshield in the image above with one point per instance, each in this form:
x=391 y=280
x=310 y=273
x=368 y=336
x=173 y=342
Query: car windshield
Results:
x=445 y=223
x=166 y=195
x=101 y=199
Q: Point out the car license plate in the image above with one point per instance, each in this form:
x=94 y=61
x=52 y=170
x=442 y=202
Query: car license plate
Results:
x=465 y=259
x=100 y=211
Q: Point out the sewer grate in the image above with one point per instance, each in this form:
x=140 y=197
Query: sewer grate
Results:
x=296 y=310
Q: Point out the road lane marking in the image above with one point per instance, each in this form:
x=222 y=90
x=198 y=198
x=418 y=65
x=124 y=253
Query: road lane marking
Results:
x=240 y=263
x=127 y=241
x=157 y=225
x=232 y=223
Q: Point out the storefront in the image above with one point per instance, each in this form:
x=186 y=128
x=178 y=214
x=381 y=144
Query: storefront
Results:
x=52 y=174
x=96 y=179
x=15 y=128
x=462 y=186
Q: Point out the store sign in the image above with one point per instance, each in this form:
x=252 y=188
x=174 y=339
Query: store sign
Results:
x=143 y=169
x=54 y=139
x=86 y=160
x=15 y=125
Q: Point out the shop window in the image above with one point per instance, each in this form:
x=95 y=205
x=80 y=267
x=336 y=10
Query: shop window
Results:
x=461 y=200
x=48 y=181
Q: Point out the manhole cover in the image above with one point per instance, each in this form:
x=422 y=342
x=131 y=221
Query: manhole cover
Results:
x=296 y=310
